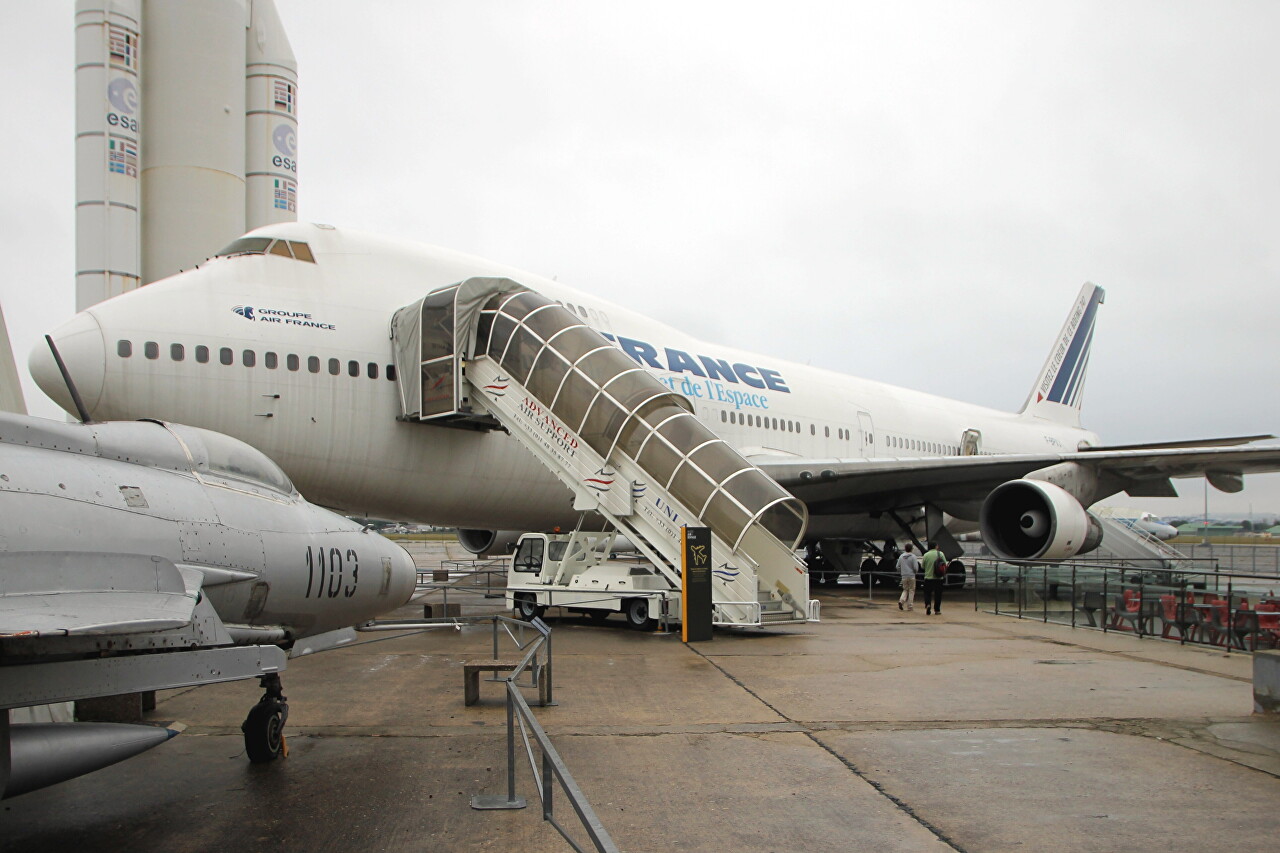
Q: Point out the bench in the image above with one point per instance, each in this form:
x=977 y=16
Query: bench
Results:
x=471 y=675
x=1091 y=604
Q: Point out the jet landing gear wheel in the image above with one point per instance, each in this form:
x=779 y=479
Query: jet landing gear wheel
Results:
x=264 y=727
x=528 y=608
x=637 y=612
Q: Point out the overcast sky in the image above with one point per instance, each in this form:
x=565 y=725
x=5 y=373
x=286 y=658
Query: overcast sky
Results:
x=912 y=192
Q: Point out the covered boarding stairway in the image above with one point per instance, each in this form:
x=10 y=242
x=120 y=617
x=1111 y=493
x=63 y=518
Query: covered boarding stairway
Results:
x=489 y=352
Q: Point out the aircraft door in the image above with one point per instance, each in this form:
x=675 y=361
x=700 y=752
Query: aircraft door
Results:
x=970 y=442
x=867 y=432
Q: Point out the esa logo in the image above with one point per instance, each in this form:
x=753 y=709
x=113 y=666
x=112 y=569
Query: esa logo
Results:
x=286 y=142
x=123 y=97
x=244 y=311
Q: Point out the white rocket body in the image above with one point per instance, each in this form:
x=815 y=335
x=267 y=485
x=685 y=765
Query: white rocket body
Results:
x=108 y=149
x=271 y=125
x=186 y=129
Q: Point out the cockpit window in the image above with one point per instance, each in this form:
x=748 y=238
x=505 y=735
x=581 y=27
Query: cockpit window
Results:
x=268 y=246
x=221 y=457
x=246 y=246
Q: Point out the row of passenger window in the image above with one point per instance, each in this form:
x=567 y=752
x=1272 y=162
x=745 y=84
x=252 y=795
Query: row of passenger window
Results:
x=899 y=443
x=782 y=424
x=270 y=360
x=895 y=442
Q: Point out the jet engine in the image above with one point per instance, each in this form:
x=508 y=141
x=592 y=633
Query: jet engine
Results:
x=501 y=543
x=1034 y=520
x=489 y=543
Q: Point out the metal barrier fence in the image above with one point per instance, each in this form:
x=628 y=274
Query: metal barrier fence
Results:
x=1254 y=559
x=552 y=765
x=1231 y=610
x=475 y=583
x=1250 y=559
x=536 y=663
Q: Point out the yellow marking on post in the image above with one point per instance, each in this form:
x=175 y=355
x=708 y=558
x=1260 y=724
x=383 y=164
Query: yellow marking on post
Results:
x=684 y=586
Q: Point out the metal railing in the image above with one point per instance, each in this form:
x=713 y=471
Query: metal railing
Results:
x=459 y=582
x=1204 y=606
x=1256 y=559
x=552 y=765
x=536 y=663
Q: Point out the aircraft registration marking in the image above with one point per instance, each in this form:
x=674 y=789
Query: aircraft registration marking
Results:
x=326 y=570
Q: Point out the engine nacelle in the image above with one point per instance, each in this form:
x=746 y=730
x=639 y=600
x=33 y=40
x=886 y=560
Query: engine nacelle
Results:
x=489 y=543
x=1034 y=520
x=502 y=543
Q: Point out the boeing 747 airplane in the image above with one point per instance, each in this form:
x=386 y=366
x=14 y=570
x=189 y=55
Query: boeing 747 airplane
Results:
x=285 y=340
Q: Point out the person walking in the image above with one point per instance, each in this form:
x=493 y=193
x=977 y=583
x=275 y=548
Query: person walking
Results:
x=908 y=565
x=934 y=568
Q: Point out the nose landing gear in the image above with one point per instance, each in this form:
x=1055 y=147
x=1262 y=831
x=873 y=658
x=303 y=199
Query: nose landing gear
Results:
x=264 y=727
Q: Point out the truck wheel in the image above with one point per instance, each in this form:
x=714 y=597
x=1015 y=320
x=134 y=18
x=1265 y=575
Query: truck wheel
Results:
x=528 y=608
x=638 y=615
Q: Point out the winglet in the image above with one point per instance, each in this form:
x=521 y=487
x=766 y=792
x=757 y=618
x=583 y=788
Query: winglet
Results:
x=1056 y=396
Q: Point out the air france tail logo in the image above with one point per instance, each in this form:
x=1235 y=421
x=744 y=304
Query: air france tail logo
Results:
x=244 y=311
x=1064 y=380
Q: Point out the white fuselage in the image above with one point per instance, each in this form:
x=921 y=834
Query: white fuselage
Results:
x=307 y=384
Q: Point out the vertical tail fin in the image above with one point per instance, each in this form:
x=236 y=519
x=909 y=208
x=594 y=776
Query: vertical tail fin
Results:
x=11 y=399
x=1058 y=390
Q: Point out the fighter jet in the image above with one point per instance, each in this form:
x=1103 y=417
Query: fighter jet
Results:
x=138 y=556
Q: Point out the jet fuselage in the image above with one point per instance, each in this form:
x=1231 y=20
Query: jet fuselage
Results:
x=292 y=355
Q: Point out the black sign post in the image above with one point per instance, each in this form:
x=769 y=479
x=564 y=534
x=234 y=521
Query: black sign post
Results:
x=695 y=602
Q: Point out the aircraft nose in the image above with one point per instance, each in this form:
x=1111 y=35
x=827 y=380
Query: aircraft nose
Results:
x=84 y=352
x=404 y=575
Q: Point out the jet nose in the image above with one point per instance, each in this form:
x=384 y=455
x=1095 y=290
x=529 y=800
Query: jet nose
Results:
x=404 y=575
x=84 y=352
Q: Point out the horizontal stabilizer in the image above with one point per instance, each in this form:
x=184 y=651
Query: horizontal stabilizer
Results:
x=60 y=593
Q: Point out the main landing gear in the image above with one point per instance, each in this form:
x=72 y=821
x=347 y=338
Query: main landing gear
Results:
x=264 y=727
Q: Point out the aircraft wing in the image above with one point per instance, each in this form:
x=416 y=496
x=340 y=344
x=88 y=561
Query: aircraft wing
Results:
x=870 y=485
x=57 y=593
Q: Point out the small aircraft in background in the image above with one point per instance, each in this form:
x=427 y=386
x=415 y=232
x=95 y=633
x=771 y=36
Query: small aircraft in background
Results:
x=1147 y=522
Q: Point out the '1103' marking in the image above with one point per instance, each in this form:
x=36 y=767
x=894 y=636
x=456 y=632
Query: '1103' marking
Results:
x=326 y=572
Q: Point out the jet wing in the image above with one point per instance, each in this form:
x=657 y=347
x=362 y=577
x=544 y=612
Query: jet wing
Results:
x=870 y=485
x=60 y=593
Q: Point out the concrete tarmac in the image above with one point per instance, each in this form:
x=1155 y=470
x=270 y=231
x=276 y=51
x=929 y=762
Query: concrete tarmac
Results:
x=875 y=729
